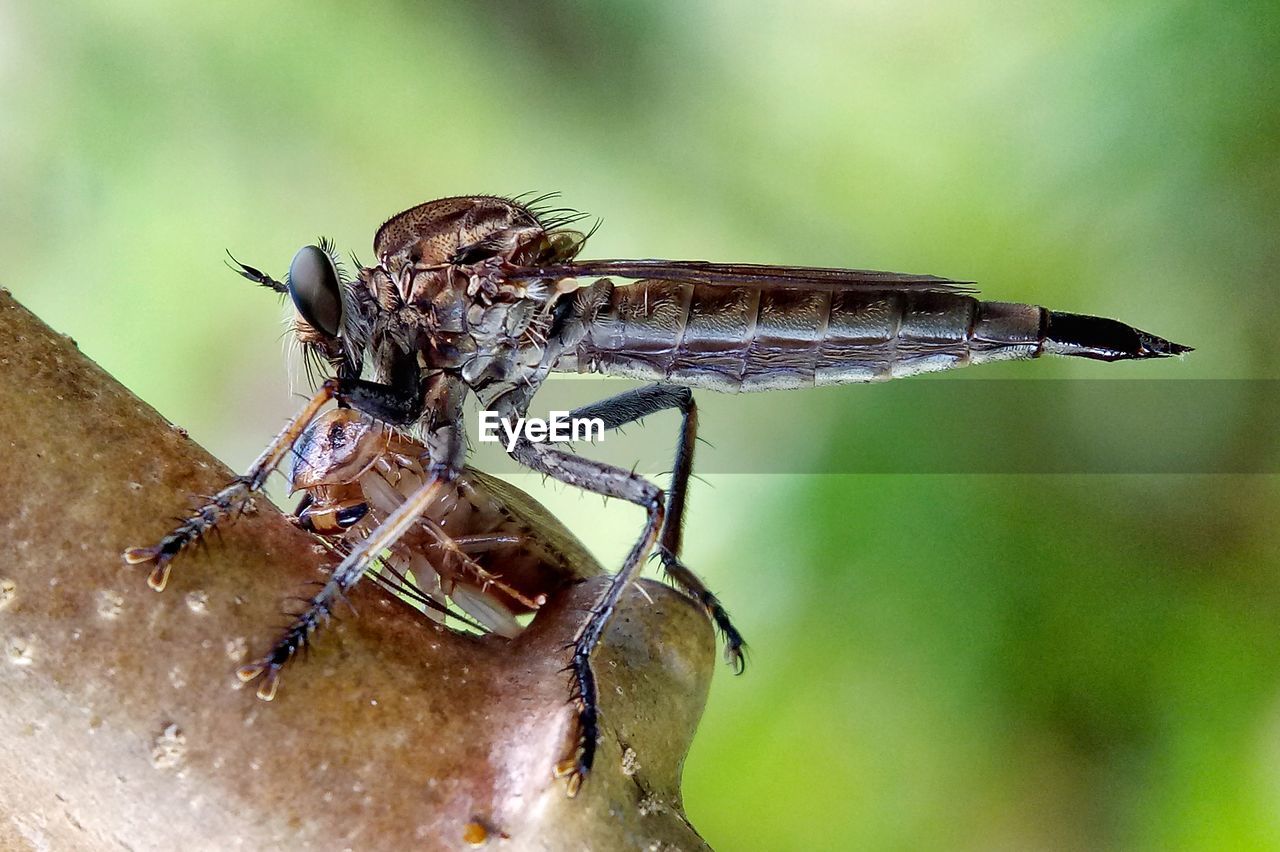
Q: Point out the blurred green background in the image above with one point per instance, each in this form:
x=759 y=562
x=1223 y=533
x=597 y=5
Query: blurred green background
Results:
x=945 y=662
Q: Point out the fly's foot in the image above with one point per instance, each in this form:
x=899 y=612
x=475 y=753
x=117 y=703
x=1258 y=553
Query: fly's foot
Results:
x=190 y=531
x=158 y=558
x=735 y=648
x=266 y=673
x=575 y=771
x=735 y=653
x=584 y=730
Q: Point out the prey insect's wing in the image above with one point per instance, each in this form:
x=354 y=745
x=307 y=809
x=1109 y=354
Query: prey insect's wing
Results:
x=396 y=583
x=737 y=274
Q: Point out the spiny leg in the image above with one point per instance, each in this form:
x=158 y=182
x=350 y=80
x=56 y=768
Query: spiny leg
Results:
x=393 y=403
x=454 y=548
x=231 y=500
x=320 y=607
x=397 y=584
x=630 y=406
x=609 y=481
x=332 y=523
x=485 y=542
x=330 y=519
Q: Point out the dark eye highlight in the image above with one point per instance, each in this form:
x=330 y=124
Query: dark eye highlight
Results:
x=315 y=289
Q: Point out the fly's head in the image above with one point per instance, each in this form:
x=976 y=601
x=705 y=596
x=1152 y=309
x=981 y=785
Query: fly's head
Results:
x=334 y=317
x=439 y=280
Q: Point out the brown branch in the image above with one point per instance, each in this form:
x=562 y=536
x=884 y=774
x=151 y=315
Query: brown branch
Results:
x=122 y=723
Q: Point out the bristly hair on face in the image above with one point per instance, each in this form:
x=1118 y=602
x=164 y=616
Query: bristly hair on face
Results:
x=316 y=365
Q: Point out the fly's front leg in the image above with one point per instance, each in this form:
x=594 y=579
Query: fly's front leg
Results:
x=387 y=402
x=609 y=481
x=231 y=500
x=630 y=406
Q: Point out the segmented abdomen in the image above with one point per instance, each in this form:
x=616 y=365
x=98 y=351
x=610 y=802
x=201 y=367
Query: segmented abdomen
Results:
x=746 y=338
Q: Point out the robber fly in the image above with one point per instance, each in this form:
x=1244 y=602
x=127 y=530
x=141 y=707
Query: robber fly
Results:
x=484 y=295
x=491 y=549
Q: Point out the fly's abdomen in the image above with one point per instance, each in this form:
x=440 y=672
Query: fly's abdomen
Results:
x=747 y=338
x=878 y=336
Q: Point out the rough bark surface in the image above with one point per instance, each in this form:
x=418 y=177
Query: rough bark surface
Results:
x=122 y=724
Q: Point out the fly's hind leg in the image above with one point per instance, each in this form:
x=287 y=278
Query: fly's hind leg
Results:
x=609 y=481
x=630 y=406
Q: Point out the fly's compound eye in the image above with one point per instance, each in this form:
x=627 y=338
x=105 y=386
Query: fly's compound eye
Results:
x=315 y=289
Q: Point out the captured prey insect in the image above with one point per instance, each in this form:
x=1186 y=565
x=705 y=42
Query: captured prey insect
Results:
x=485 y=545
x=484 y=295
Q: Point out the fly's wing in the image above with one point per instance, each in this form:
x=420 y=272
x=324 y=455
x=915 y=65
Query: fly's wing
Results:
x=739 y=274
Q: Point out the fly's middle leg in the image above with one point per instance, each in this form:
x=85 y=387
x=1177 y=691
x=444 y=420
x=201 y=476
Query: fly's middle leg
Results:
x=319 y=608
x=608 y=481
x=633 y=405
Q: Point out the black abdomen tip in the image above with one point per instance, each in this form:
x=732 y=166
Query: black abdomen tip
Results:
x=1104 y=339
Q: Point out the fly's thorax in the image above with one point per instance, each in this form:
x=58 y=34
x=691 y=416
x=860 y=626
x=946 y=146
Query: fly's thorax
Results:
x=445 y=230
x=505 y=338
x=452 y=315
x=441 y=285
x=473 y=229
